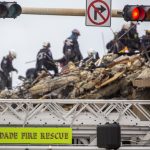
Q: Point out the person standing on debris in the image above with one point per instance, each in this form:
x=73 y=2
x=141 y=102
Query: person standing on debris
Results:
x=120 y=40
x=45 y=59
x=145 y=40
x=134 y=43
x=145 y=45
x=71 y=49
x=7 y=68
x=123 y=35
x=126 y=41
x=115 y=45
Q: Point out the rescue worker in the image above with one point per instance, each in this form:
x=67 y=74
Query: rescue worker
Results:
x=145 y=40
x=89 y=61
x=123 y=35
x=134 y=40
x=71 y=49
x=45 y=59
x=133 y=34
x=115 y=45
x=126 y=41
x=92 y=54
x=63 y=61
x=7 y=68
x=31 y=74
x=145 y=45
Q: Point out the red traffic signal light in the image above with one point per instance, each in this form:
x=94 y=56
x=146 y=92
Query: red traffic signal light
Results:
x=9 y=10
x=136 y=13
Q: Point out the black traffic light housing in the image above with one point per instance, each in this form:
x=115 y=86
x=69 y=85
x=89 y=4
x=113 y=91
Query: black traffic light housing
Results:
x=9 y=10
x=136 y=13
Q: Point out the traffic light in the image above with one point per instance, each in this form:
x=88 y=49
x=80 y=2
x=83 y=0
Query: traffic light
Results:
x=9 y=10
x=136 y=13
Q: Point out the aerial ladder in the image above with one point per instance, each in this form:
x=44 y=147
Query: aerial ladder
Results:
x=82 y=116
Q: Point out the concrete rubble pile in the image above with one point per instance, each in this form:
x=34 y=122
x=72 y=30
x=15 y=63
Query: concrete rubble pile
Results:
x=116 y=78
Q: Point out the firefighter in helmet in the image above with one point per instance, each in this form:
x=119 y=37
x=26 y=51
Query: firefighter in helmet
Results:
x=45 y=59
x=7 y=68
x=71 y=49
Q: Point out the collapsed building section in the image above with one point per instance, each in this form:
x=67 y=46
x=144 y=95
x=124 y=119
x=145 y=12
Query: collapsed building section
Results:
x=124 y=77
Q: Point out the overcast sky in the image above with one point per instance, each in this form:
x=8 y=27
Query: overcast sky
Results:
x=26 y=33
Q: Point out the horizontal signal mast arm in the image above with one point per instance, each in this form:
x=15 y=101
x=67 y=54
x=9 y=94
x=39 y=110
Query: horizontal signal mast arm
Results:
x=62 y=11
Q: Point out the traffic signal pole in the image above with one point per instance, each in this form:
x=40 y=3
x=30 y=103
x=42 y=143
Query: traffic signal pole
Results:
x=62 y=11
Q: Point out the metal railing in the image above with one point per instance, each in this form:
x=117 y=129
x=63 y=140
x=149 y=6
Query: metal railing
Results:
x=83 y=116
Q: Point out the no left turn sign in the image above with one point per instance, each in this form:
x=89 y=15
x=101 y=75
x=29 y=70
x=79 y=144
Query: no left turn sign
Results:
x=98 y=13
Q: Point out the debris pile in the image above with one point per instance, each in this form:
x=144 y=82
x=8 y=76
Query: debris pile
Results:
x=115 y=77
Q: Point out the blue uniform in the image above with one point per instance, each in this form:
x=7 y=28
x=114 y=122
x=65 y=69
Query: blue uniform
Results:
x=45 y=60
x=7 y=67
x=71 y=49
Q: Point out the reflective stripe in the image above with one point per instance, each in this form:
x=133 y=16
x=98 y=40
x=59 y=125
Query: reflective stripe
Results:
x=69 y=42
x=41 y=55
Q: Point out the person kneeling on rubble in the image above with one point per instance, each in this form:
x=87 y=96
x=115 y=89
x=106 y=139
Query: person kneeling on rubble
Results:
x=71 y=49
x=45 y=59
x=92 y=55
x=7 y=68
x=31 y=74
x=90 y=60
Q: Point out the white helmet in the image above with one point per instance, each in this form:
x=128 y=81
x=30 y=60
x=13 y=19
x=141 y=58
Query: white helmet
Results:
x=115 y=33
x=91 y=51
x=13 y=54
x=126 y=26
x=46 y=44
